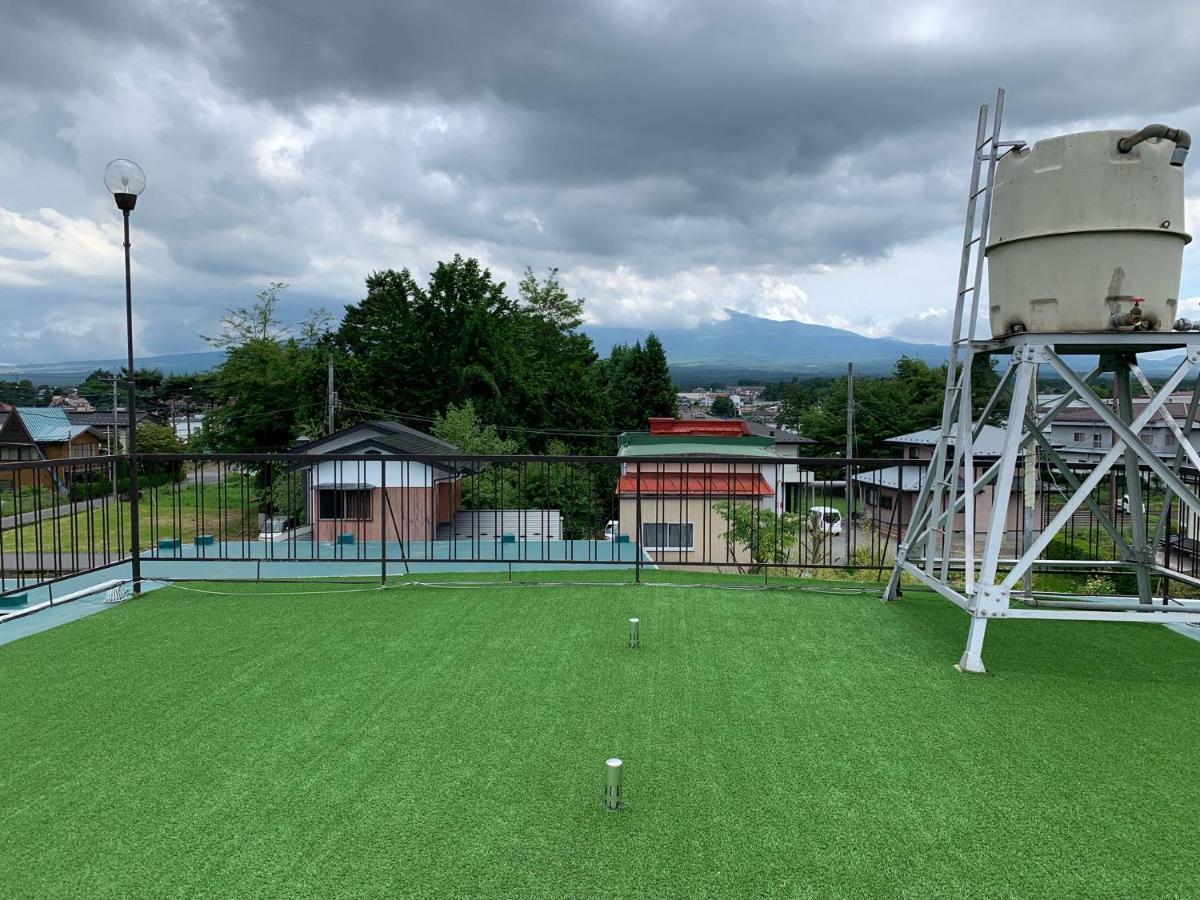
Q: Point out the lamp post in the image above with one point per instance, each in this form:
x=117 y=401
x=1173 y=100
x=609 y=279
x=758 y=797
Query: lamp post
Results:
x=126 y=180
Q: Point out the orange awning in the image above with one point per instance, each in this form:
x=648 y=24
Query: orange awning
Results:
x=748 y=484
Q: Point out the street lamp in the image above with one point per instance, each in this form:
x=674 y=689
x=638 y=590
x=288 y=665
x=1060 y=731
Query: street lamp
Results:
x=126 y=180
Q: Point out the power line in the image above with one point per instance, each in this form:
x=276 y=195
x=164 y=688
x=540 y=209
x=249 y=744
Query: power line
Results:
x=263 y=412
x=369 y=410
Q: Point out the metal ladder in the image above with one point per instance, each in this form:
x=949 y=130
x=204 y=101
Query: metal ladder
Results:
x=940 y=489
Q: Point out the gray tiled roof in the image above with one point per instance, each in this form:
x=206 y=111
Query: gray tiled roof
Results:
x=989 y=443
x=890 y=477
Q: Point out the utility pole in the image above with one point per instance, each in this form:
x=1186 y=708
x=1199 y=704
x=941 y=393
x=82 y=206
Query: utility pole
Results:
x=113 y=444
x=849 y=524
x=331 y=398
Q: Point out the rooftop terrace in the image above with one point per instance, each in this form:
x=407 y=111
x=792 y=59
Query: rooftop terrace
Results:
x=318 y=739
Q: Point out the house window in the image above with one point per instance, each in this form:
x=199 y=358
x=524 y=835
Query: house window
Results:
x=345 y=504
x=667 y=535
x=16 y=452
x=1077 y=437
x=885 y=501
x=1097 y=440
x=80 y=451
x=872 y=496
x=914 y=452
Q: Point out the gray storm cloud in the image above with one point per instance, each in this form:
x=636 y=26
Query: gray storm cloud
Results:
x=673 y=160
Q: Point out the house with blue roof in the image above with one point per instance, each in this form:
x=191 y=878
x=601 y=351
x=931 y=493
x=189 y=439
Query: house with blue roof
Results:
x=44 y=433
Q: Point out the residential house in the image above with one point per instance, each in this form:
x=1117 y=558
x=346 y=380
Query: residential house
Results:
x=1084 y=437
x=347 y=496
x=106 y=422
x=16 y=445
x=890 y=492
x=72 y=402
x=44 y=433
x=797 y=483
x=669 y=506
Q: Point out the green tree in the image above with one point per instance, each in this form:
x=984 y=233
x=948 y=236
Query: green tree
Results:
x=654 y=377
x=520 y=361
x=490 y=486
x=21 y=393
x=460 y=426
x=271 y=387
x=638 y=384
x=583 y=494
x=723 y=408
x=767 y=536
x=155 y=439
x=908 y=400
x=97 y=389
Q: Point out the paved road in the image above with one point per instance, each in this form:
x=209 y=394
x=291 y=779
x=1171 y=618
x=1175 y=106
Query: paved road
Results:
x=51 y=512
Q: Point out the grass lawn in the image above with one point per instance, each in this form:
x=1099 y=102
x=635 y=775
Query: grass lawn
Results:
x=25 y=499
x=446 y=740
x=182 y=511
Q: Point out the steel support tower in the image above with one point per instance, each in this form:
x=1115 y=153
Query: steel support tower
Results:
x=963 y=560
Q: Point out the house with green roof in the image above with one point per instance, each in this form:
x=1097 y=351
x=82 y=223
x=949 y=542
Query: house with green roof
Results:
x=673 y=476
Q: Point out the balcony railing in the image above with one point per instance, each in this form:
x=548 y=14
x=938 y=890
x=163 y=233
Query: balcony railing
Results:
x=261 y=515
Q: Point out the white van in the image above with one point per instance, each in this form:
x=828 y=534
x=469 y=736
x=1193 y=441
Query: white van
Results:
x=831 y=519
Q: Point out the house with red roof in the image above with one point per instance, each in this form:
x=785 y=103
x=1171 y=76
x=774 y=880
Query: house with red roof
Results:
x=673 y=476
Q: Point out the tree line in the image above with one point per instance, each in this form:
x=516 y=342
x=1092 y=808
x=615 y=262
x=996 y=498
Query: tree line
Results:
x=422 y=353
x=910 y=399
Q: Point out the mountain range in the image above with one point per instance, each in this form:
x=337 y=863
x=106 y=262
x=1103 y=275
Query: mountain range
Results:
x=739 y=345
x=749 y=346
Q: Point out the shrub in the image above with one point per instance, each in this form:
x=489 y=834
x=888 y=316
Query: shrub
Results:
x=89 y=488
x=284 y=498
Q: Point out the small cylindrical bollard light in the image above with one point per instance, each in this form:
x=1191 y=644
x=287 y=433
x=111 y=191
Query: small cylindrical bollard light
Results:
x=613 y=799
x=635 y=634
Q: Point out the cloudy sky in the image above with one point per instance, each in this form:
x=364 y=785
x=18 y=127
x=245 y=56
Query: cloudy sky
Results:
x=794 y=159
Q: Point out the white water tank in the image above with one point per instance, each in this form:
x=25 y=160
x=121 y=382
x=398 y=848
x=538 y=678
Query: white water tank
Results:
x=1079 y=230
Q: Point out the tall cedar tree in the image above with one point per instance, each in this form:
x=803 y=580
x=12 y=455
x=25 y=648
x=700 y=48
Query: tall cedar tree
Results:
x=639 y=384
x=522 y=363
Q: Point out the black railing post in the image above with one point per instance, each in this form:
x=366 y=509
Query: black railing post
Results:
x=383 y=520
x=637 y=543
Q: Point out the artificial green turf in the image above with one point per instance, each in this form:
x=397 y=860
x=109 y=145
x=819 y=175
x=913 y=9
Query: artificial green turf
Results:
x=451 y=741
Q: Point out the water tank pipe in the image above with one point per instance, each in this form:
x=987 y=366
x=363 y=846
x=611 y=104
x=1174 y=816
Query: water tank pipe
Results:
x=1181 y=139
x=1131 y=319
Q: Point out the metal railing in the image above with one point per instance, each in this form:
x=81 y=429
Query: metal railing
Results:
x=254 y=515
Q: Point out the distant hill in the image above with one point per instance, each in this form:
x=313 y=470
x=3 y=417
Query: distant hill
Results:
x=66 y=374
x=739 y=346
x=757 y=347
